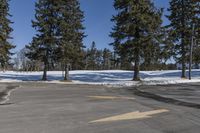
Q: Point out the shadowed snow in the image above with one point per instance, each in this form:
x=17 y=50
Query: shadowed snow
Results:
x=109 y=77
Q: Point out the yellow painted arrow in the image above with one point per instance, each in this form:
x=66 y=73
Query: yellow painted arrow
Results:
x=131 y=116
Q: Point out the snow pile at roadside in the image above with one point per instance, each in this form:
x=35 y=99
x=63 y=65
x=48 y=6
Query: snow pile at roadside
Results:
x=110 y=77
x=169 y=77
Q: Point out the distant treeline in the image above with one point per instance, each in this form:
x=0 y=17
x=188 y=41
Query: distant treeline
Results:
x=92 y=59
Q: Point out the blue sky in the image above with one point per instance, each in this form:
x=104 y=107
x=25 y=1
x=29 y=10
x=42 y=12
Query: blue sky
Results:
x=97 y=21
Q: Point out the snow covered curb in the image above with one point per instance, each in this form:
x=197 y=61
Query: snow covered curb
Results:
x=169 y=81
x=117 y=84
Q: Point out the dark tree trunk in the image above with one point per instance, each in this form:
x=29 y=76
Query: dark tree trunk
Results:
x=183 y=60
x=45 y=71
x=137 y=65
x=45 y=67
x=137 y=58
x=183 y=42
x=66 y=78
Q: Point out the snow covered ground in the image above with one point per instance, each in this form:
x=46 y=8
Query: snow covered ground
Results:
x=109 y=77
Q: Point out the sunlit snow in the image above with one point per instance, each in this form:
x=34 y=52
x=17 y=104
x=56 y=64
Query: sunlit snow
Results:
x=109 y=77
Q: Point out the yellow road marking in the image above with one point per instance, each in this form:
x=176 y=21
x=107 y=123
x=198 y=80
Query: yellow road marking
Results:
x=131 y=116
x=111 y=97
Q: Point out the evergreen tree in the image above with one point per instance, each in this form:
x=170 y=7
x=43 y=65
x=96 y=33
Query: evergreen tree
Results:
x=91 y=57
x=182 y=18
x=99 y=60
x=107 y=55
x=44 y=43
x=157 y=51
x=196 y=18
x=137 y=23
x=115 y=61
x=71 y=34
x=196 y=24
x=5 y=31
x=151 y=56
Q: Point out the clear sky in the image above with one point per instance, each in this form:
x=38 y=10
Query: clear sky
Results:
x=97 y=21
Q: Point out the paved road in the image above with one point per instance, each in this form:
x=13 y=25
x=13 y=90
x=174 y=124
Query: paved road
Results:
x=188 y=93
x=53 y=108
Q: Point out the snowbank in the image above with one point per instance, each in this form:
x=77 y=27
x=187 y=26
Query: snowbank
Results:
x=109 y=77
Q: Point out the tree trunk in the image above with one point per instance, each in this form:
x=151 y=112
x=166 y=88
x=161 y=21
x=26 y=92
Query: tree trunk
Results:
x=183 y=60
x=45 y=71
x=137 y=65
x=137 y=58
x=183 y=42
x=44 y=78
x=66 y=72
x=191 y=52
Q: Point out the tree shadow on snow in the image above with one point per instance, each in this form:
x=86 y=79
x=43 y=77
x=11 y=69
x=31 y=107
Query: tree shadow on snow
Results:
x=95 y=76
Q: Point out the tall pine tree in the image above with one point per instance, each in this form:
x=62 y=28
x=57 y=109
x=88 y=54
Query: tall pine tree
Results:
x=5 y=31
x=137 y=23
x=182 y=19
x=45 y=42
x=91 y=57
x=196 y=24
x=71 y=34
x=107 y=55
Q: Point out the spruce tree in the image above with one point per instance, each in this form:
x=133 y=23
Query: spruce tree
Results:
x=137 y=23
x=44 y=43
x=196 y=32
x=151 y=56
x=99 y=60
x=182 y=19
x=91 y=57
x=71 y=34
x=107 y=55
x=5 y=31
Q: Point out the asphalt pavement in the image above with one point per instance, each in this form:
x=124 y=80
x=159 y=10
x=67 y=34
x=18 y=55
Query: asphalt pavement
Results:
x=56 y=108
x=179 y=94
